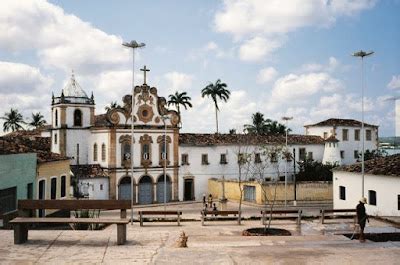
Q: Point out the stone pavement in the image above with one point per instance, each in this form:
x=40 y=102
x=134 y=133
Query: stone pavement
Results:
x=218 y=242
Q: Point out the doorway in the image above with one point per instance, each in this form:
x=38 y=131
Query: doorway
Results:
x=42 y=195
x=188 y=190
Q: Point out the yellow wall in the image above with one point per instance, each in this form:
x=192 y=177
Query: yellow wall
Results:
x=306 y=191
x=48 y=170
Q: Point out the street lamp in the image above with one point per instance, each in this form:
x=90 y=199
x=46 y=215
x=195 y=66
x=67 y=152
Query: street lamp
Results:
x=286 y=119
x=362 y=54
x=164 y=118
x=133 y=45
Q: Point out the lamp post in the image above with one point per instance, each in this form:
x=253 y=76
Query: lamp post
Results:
x=362 y=54
x=133 y=45
x=164 y=118
x=286 y=119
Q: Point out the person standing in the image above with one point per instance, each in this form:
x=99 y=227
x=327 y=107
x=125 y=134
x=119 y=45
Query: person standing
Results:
x=362 y=217
x=204 y=199
x=210 y=200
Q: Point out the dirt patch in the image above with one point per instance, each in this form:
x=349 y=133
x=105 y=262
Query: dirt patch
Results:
x=261 y=231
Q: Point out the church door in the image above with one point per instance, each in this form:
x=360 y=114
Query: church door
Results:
x=145 y=190
x=124 y=189
x=160 y=189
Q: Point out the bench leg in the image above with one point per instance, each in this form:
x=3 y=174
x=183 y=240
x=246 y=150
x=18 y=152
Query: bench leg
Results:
x=179 y=220
x=20 y=233
x=141 y=219
x=322 y=216
x=121 y=234
x=202 y=220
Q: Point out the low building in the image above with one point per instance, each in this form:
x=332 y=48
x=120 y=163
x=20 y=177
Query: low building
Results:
x=381 y=186
x=91 y=182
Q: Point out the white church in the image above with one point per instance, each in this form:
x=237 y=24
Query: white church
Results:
x=103 y=142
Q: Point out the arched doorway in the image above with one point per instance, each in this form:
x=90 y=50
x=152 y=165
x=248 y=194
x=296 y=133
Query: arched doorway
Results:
x=124 y=189
x=160 y=189
x=145 y=190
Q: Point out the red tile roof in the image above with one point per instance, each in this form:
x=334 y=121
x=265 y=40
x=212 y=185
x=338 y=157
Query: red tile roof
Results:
x=29 y=142
x=340 y=122
x=88 y=171
x=194 y=139
x=388 y=166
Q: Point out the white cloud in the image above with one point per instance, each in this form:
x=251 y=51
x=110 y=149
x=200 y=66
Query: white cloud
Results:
x=176 y=81
x=210 y=46
x=243 y=18
x=255 y=49
x=330 y=67
x=394 y=83
x=266 y=75
x=61 y=40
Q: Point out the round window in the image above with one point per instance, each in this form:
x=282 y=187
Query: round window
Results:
x=145 y=113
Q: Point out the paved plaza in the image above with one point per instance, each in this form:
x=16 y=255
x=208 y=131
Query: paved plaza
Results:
x=219 y=242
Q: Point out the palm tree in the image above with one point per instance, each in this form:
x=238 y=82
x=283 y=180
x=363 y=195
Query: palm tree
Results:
x=215 y=91
x=37 y=120
x=13 y=120
x=259 y=125
x=113 y=105
x=275 y=127
x=179 y=99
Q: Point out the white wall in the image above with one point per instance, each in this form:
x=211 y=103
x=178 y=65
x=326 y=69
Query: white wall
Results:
x=201 y=173
x=81 y=137
x=85 y=115
x=387 y=189
x=100 y=138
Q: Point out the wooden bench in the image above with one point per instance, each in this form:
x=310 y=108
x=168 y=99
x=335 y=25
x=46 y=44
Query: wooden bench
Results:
x=337 y=213
x=281 y=214
x=219 y=215
x=160 y=214
x=26 y=209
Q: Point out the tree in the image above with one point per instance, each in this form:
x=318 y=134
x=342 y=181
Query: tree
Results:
x=376 y=153
x=275 y=127
x=13 y=120
x=178 y=99
x=216 y=91
x=311 y=170
x=232 y=131
x=37 y=120
x=259 y=125
x=113 y=105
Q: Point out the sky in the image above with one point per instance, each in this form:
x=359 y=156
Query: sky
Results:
x=280 y=58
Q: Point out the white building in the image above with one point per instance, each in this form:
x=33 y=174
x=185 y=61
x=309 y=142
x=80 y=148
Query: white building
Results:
x=191 y=159
x=349 y=134
x=381 y=186
x=397 y=117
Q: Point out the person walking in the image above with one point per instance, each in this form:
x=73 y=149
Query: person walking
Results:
x=204 y=199
x=362 y=217
x=210 y=200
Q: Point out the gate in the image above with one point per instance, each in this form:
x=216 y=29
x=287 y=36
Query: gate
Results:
x=124 y=189
x=249 y=193
x=145 y=190
x=160 y=189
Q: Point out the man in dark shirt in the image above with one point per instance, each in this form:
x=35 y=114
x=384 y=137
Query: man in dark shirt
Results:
x=362 y=217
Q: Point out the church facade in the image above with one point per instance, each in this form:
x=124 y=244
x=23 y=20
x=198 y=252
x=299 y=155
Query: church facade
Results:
x=100 y=147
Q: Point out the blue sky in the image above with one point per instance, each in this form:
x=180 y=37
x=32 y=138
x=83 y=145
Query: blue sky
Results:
x=282 y=58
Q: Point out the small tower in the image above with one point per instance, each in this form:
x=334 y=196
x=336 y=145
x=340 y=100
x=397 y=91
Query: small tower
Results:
x=331 y=151
x=72 y=117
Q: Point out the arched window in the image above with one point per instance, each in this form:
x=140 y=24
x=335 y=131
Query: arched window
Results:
x=103 y=152
x=63 y=186
x=55 y=138
x=95 y=152
x=77 y=117
x=145 y=142
x=164 y=149
x=56 y=117
x=125 y=141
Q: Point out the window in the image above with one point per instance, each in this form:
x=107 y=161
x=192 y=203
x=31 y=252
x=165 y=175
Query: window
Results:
x=29 y=192
x=95 y=152
x=356 y=156
x=223 y=159
x=164 y=146
x=63 y=186
x=325 y=135
x=273 y=157
x=302 y=154
x=126 y=152
x=77 y=154
x=345 y=134
x=101 y=186
x=356 y=135
x=310 y=155
x=146 y=152
x=53 y=190
x=342 y=193
x=204 y=159
x=368 y=136
x=185 y=159
x=103 y=152
x=56 y=117
x=372 y=197
x=125 y=141
x=398 y=202
x=55 y=138
x=341 y=154
x=257 y=158
x=77 y=117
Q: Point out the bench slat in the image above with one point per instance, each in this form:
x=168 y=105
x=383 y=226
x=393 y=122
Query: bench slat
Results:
x=160 y=212
x=74 y=204
x=50 y=220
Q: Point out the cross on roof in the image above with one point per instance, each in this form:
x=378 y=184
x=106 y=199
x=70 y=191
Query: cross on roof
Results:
x=144 y=69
